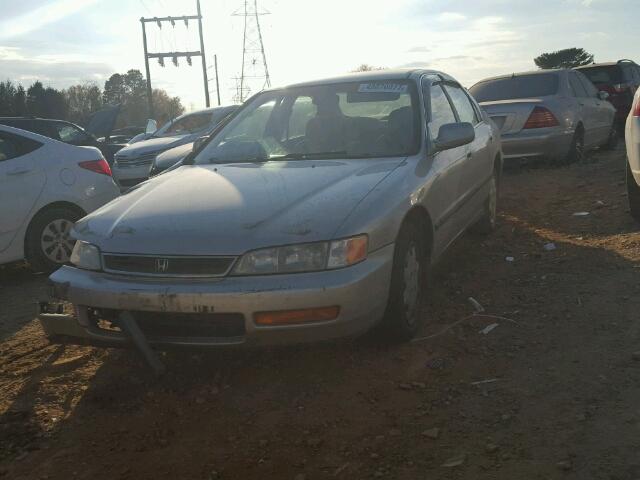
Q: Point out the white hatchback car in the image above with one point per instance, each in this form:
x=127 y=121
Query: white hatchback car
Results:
x=45 y=186
x=632 y=138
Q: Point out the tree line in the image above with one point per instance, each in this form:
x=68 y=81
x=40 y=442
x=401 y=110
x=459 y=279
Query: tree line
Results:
x=77 y=102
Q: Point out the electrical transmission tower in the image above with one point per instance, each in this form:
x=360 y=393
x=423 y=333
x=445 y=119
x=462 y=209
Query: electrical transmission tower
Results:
x=160 y=56
x=254 y=72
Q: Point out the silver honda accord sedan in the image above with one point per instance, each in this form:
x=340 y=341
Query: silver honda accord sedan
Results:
x=314 y=212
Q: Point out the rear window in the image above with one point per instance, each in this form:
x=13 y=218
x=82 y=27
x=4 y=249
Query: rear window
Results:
x=608 y=75
x=522 y=86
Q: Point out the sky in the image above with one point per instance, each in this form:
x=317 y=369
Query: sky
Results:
x=65 y=42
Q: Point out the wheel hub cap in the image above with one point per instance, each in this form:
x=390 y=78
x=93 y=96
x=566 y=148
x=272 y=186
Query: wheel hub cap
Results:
x=55 y=242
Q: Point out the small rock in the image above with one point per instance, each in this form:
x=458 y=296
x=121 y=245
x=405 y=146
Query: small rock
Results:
x=405 y=386
x=432 y=433
x=455 y=461
x=200 y=400
x=374 y=456
x=506 y=417
x=491 y=448
x=565 y=465
x=214 y=475
x=314 y=442
x=395 y=432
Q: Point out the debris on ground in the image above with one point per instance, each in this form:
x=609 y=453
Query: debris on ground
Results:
x=455 y=461
x=550 y=247
x=489 y=328
x=476 y=305
x=510 y=259
x=581 y=214
x=432 y=433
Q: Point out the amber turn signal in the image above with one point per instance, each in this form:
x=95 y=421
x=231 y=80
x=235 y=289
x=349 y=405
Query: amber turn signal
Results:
x=291 y=317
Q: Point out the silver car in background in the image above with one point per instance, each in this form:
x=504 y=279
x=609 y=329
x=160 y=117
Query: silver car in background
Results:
x=314 y=213
x=551 y=114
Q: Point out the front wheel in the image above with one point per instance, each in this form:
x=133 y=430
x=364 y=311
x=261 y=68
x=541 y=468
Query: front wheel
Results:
x=487 y=223
x=633 y=194
x=48 y=243
x=408 y=282
x=612 y=140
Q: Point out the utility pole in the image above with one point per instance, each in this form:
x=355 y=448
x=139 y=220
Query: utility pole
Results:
x=215 y=62
x=174 y=55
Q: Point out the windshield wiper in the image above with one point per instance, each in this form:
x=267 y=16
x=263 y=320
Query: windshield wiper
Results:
x=306 y=156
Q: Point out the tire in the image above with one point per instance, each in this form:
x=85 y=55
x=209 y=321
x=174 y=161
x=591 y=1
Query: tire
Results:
x=612 y=141
x=576 y=151
x=408 y=281
x=633 y=194
x=487 y=223
x=48 y=245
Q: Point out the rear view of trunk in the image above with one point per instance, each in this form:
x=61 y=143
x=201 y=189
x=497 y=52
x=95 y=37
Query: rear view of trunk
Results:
x=513 y=116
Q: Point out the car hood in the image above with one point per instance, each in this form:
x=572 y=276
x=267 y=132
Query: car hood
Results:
x=151 y=145
x=101 y=123
x=170 y=157
x=232 y=208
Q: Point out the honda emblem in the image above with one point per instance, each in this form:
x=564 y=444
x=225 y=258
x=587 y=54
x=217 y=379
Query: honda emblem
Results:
x=162 y=265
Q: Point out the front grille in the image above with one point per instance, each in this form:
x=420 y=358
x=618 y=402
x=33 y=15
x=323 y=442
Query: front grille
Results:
x=132 y=162
x=168 y=266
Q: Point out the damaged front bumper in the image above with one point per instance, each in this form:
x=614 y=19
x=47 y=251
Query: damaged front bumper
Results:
x=216 y=311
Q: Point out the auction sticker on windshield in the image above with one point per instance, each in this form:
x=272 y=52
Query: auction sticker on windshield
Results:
x=383 y=87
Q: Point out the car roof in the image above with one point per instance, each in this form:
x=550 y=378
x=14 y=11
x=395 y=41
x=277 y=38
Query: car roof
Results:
x=608 y=64
x=370 y=76
x=27 y=133
x=522 y=74
x=34 y=118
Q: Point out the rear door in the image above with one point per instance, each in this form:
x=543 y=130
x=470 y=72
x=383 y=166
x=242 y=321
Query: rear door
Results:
x=444 y=199
x=603 y=113
x=479 y=164
x=21 y=181
x=587 y=109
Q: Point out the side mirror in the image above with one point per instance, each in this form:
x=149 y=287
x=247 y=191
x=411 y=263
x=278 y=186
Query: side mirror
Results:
x=151 y=127
x=198 y=143
x=602 y=95
x=452 y=135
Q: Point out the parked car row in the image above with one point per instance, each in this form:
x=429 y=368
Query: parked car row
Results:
x=552 y=114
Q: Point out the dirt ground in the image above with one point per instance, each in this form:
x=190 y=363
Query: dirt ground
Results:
x=552 y=392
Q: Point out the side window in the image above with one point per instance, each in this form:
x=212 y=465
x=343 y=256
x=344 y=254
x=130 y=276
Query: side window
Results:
x=627 y=72
x=13 y=146
x=69 y=133
x=302 y=111
x=441 y=112
x=576 y=85
x=462 y=104
x=590 y=88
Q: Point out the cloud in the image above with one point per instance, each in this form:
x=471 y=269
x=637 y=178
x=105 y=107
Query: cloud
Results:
x=419 y=49
x=451 y=17
x=58 y=72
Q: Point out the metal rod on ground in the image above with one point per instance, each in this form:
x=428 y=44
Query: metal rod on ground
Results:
x=129 y=325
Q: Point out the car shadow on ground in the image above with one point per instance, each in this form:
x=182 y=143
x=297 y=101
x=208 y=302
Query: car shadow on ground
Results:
x=273 y=413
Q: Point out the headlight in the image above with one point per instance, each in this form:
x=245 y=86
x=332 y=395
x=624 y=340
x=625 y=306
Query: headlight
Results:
x=305 y=257
x=86 y=256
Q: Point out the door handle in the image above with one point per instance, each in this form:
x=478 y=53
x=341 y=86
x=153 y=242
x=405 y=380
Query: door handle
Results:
x=19 y=171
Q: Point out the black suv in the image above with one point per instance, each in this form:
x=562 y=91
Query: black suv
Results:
x=620 y=80
x=100 y=124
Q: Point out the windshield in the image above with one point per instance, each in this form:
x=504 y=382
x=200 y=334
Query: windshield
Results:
x=347 y=120
x=185 y=125
x=522 y=86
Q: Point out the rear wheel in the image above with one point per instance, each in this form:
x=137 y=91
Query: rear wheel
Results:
x=633 y=194
x=48 y=243
x=576 y=151
x=408 y=282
